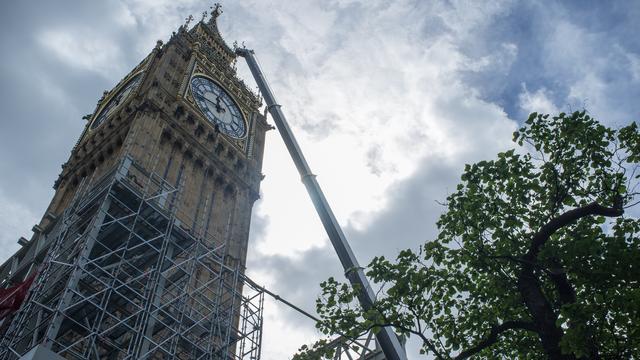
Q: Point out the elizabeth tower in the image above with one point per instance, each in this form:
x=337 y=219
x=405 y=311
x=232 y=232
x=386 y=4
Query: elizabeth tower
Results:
x=141 y=253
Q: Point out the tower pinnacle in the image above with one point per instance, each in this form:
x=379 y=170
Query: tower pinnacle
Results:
x=188 y=21
x=216 y=10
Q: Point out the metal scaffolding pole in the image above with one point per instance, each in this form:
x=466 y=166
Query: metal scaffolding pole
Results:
x=123 y=279
x=386 y=337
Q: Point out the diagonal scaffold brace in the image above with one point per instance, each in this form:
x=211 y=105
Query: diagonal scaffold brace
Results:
x=388 y=340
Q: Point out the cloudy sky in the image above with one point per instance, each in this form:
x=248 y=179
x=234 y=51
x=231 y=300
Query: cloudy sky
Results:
x=389 y=99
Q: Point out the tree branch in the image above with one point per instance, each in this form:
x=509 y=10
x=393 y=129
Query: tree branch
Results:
x=541 y=237
x=557 y=274
x=544 y=317
x=389 y=323
x=400 y=327
x=519 y=261
x=492 y=338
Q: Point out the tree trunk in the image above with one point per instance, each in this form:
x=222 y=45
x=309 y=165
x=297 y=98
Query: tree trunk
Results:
x=542 y=314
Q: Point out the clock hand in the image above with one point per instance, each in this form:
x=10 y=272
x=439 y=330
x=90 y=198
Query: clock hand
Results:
x=217 y=106
x=219 y=121
x=204 y=95
x=205 y=99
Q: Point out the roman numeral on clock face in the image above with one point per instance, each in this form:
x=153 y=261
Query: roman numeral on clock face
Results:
x=218 y=106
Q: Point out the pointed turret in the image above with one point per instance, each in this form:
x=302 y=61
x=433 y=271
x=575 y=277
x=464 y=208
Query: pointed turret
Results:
x=207 y=31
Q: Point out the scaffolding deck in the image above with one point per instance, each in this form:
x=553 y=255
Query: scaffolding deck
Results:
x=122 y=279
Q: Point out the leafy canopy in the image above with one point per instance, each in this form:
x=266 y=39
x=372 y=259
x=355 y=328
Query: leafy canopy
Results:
x=536 y=256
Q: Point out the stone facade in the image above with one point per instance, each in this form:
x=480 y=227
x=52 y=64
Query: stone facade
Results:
x=161 y=127
x=214 y=180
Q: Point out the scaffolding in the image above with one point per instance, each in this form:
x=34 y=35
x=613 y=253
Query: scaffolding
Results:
x=123 y=279
x=364 y=347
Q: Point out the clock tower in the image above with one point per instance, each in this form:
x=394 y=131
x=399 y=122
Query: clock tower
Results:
x=142 y=250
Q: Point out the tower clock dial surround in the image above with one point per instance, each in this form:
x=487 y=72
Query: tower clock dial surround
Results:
x=218 y=106
x=115 y=101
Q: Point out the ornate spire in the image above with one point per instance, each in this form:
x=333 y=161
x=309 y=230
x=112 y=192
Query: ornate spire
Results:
x=185 y=26
x=188 y=21
x=216 y=10
x=211 y=28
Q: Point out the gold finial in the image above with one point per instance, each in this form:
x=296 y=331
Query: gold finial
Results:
x=216 y=10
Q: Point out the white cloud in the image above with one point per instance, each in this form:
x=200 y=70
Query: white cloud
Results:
x=634 y=66
x=596 y=70
x=15 y=218
x=385 y=90
x=466 y=17
x=375 y=93
x=125 y=17
x=538 y=101
x=499 y=61
x=381 y=90
x=83 y=49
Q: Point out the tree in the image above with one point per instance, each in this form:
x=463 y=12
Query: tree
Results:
x=536 y=255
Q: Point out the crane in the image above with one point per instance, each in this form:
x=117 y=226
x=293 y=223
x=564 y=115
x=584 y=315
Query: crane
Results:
x=388 y=340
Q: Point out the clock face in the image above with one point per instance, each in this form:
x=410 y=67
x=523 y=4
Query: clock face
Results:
x=116 y=100
x=218 y=106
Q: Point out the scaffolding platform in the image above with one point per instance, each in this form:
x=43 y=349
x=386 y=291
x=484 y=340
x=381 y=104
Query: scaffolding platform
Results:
x=124 y=279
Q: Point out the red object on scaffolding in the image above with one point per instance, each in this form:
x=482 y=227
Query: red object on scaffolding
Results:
x=11 y=298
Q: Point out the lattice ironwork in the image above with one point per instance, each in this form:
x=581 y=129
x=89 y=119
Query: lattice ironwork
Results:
x=365 y=347
x=124 y=280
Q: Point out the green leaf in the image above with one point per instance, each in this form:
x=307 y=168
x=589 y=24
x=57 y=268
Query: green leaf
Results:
x=479 y=270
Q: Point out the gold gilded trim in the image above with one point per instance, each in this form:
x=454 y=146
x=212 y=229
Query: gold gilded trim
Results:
x=115 y=91
x=197 y=72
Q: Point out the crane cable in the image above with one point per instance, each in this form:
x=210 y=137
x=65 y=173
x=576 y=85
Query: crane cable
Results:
x=303 y=312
